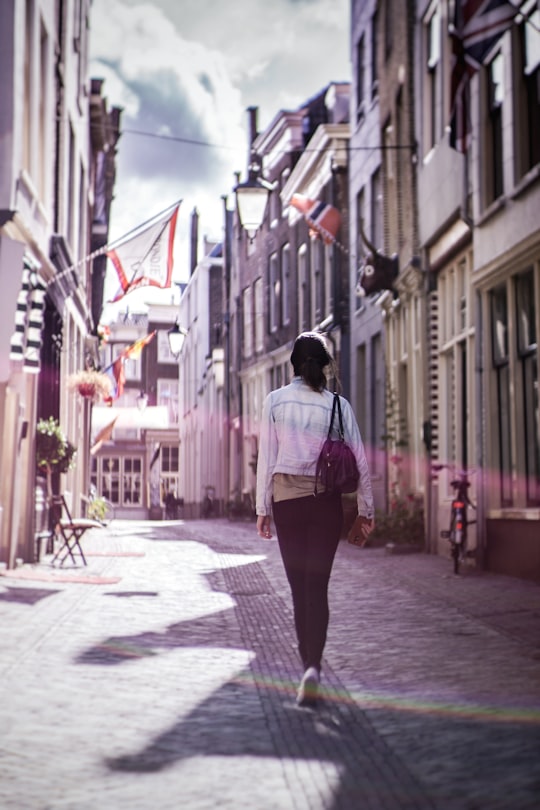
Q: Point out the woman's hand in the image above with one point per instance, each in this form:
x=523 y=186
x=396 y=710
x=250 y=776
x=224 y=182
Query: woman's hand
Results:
x=360 y=530
x=263 y=526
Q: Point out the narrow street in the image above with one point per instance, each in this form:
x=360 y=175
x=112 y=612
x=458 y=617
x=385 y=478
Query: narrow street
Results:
x=163 y=676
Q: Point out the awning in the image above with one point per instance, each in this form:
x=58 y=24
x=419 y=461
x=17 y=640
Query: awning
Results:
x=25 y=343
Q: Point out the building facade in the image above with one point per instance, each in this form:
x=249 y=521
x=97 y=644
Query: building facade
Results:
x=368 y=372
x=134 y=442
x=285 y=280
x=49 y=164
x=204 y=457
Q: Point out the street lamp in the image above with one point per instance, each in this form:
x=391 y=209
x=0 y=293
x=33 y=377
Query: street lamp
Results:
x=251 y=199
x=176 y=335
x=142 y=401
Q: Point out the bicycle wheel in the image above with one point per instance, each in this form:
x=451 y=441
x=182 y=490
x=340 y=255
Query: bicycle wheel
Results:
x=109 y=513
x=455 y=542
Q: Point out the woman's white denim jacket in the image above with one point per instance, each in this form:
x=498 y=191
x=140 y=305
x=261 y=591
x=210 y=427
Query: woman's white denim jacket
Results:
x=294 y=424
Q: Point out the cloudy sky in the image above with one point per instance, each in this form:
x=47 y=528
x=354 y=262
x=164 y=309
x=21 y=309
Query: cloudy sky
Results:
x=184 y=72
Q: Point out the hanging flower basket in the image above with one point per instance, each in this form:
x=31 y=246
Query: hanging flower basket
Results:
x=93 y=385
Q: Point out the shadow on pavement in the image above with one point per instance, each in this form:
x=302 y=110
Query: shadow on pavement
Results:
x=26 y=596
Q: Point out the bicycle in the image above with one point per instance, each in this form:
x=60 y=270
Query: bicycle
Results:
x=459 y=522
x=99 y=508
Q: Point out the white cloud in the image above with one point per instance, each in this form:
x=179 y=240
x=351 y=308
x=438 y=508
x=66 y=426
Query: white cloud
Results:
x=190 y=70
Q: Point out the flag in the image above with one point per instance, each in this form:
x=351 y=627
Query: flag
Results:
x=146 y=260
x=134 y=351
x=478 y=25
x=324 y=220
x=116 y=370
x=103 y=436
x=155 y=456
x=117 y=375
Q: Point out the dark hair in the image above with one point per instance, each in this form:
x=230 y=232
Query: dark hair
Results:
x=309 y=358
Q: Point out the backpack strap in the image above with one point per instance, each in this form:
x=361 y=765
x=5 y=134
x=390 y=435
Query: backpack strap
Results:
x=336 y=405
x=341 y=431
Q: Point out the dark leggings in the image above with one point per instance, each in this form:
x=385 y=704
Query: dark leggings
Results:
x=308 y=531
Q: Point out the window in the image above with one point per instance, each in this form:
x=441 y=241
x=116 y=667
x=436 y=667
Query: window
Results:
x=167 y=395
x=374 y=56
x=494 y=186
x=285 y=284
x=432 y=102
x=119 y=479
x=317 y=270
x=247 y=300
x=527 y=359
x=132 y=481
x=164 y=354
x=455 y=362
x=328 y=254
x=275 y=205
x=42 y=141
x=388 y=29
x=461 y=295
x=377 y=405
x=400 y=170
x=528 y=94
x=361 y=393
x=72 y=181
x=303 y=289
x=501 y=368
x=274 y=292
x=259 y=320
x=360 y=224
x=169 y=456
x=360 y=79
x=377 y=230
x=27 y=88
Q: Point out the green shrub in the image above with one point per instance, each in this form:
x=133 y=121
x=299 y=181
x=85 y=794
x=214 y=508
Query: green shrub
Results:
x=54 y=452
x=402 y=524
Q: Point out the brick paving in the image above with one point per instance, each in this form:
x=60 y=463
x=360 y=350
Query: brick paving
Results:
x=171 y=683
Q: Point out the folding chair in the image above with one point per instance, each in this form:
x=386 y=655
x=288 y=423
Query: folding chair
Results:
x=70 y=531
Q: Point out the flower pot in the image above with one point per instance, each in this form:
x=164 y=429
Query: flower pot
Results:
x=87 y=390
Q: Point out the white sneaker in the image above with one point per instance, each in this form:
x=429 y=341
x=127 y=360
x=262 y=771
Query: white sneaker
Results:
x=309 y=687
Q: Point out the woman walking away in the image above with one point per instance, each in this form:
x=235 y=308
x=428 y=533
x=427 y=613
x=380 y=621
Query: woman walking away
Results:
x=294 y=426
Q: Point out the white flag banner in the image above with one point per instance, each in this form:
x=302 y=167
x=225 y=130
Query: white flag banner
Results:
x=146 y=260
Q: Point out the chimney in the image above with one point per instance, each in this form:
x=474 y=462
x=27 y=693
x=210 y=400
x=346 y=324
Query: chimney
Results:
x=253 y=114
x=194 y=240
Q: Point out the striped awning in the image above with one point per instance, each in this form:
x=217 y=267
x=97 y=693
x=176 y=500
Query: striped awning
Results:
x=25 y=344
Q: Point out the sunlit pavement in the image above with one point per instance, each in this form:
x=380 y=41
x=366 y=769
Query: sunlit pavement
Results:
x=165 y=678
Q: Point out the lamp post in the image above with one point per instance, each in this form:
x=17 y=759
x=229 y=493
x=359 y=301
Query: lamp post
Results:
x=142 y=401
x=176 y=336
x=251 y=199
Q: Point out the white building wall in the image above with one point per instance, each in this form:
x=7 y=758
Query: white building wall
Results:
x=29 y=52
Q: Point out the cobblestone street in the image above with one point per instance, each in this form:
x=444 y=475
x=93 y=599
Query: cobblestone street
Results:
x=163 y=676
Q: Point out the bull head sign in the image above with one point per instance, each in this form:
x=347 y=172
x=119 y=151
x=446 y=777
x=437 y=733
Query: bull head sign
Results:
x=378 y=272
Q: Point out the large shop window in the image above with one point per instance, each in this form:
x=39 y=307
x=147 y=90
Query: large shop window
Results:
x=527 y=359
x=119 y=479
x=501 y=367
x=170 y=465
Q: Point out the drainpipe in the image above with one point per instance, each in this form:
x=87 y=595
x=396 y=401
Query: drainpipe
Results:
x=480 y=436
x=227 y=221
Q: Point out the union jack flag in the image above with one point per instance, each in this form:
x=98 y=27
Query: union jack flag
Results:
x=478 y=24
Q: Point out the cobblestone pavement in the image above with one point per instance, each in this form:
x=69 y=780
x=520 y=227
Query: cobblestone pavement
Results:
x=165 y=679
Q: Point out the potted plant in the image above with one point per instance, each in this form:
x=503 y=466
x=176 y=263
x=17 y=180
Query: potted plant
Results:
x=90 y=384
x=54 y=452
x=401 y=528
